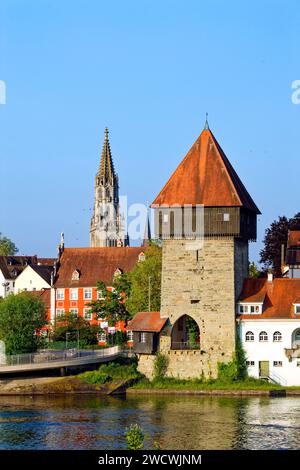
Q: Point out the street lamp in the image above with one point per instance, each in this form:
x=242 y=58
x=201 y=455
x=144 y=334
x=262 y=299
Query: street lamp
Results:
x=5 y=286
x=149 y=294
x=67 y=335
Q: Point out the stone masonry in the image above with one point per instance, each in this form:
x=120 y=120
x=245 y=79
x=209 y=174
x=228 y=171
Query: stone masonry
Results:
x=205 y=285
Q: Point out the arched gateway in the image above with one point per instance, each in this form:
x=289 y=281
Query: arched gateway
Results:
x=185 y=334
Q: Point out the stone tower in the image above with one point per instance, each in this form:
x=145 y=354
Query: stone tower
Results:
x=202 y=271
x=106 y=224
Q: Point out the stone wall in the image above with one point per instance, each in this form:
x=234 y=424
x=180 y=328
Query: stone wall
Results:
x=203 y=284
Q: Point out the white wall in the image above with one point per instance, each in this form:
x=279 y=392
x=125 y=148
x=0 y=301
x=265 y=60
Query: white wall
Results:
x=30 y=280
x=289 y=373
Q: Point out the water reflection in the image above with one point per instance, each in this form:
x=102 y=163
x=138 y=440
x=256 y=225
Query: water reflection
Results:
x=177 y=422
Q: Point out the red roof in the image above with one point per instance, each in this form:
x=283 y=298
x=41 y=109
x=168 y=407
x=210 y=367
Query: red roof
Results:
x=94 y=264
x=279 y=296
x=205 y=176
x=147 y=321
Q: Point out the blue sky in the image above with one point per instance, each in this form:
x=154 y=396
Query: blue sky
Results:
x=149 y=70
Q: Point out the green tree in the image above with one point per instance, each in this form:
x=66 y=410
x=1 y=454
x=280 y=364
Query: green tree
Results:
x=146 y=282
x=20 y=317
x=7 y=247
x=76 y=327
x=254 y=272
x=276 y=236
x=112 y=304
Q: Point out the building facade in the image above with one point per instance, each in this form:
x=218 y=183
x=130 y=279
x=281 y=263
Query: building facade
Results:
x=107 y=226
x=268 y=318
x=77 y=273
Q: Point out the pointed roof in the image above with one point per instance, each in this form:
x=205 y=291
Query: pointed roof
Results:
x=205 y=176
x=106 y=167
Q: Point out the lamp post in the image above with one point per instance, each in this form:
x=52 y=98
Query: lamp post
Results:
x=5 y=286
x=67 y=335
x=149 y=294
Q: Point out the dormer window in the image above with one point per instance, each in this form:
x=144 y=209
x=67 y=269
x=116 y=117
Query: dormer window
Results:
x=142 y=256
x=118 y=272
x=250 y=309
x=75 y=275
x=297 y=309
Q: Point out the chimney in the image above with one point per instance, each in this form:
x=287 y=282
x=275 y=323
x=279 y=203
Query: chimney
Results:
x=270 y=276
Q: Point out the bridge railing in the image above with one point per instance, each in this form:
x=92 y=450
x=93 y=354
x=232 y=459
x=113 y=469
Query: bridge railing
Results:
x=52 y=355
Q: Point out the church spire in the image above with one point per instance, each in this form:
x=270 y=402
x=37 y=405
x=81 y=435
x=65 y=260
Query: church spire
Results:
x=106 y=168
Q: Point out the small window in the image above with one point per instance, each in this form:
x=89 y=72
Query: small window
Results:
x=102 y=337
x=60 y=312
x=75 y=275
x=130 y=335
x=277 y=364
x=226 y=217
x=73 y=294
x=250 y=363
x=249 y=336
x=244 y=309
x=74 y=311
x=87 y=293
x=100 y=295
x=142 y=256
x=142 y=337
x=277 y=336
x=263 y=336
x=297 y=309
x=87 y=314
x=60 y=294
x=166 y=218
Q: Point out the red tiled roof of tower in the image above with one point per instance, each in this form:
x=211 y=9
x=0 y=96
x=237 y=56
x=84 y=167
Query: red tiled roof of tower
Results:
x=205 y=176
x=147 y=321
x=277 y=296
x=94 y=264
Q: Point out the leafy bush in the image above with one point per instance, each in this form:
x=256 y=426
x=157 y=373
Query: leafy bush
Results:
x=160 y=366
x=111 y=371
x=235 y=369
x=134 y=437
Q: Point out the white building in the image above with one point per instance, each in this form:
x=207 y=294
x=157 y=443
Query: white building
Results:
x=33 y=278
x=12 y=266
x=269 y=328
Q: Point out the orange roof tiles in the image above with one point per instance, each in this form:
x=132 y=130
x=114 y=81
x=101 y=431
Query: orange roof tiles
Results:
x=147 y=321
x=279 y=296
x=94 y=264
x=205 y=176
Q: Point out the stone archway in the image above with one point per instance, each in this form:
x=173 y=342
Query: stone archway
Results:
x=185 y=334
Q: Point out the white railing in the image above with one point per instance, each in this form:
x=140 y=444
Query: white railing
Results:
x=51 y=355
x=276 y=378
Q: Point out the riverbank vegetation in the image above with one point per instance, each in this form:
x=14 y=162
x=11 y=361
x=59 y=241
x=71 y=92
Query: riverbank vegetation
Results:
x=113 y=371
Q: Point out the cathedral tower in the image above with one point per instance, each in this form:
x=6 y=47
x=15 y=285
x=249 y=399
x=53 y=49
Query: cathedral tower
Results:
x=106 y=224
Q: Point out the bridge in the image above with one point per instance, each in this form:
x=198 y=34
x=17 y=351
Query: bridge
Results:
x=58 y=359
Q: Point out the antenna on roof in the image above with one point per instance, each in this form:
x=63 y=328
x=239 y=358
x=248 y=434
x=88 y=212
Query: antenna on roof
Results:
x=206 y=126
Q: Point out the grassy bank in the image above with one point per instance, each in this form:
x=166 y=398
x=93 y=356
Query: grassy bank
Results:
x=198 y=384
x=113 y=371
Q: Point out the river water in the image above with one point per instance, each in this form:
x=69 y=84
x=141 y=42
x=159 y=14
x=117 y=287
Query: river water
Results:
x=175 y=422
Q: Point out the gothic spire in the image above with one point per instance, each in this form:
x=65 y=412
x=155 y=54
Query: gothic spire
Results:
x=106 y=167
